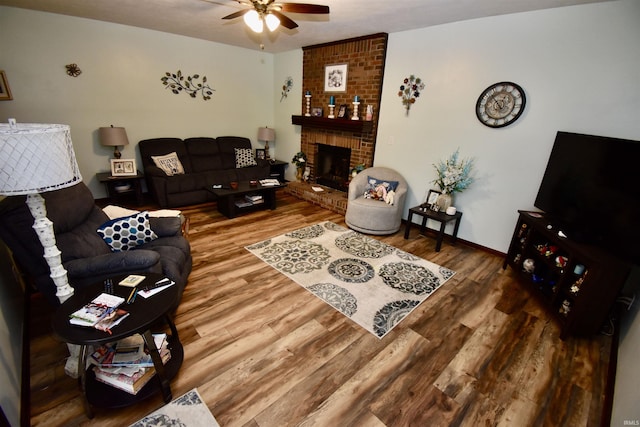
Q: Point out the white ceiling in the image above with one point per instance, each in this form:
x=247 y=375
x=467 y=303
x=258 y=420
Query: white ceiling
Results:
x=348 y=18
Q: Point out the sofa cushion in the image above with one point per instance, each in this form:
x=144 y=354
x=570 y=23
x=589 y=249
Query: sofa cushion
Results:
x=161 y=147
x=122 y=234
x=169 y=163
x=244 y=158
x=204 y=153
x=227 y=146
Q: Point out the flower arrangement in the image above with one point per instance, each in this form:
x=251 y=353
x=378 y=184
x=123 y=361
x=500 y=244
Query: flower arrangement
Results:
x=410 y=90
x=454 y=175
x=300 y=160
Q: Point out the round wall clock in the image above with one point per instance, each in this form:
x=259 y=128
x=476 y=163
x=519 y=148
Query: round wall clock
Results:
x=500 y=104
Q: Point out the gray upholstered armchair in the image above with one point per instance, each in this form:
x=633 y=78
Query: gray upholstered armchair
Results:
x=368 y=214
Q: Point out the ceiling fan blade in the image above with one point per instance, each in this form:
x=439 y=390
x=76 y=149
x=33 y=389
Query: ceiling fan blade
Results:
x=303 y=8
x=236 y=14
x=284 y=21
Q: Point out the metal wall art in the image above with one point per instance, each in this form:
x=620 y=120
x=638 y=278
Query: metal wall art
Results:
x=187 y=84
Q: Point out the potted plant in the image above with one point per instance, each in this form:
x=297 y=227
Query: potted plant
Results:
x=454 y=175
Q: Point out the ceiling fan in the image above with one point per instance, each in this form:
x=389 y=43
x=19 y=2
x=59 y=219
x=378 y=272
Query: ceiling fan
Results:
x=266 y=11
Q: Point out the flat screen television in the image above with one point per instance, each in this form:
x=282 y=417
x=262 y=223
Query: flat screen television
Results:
x=591 y=190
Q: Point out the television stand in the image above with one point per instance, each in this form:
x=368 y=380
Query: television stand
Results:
x=578 y=283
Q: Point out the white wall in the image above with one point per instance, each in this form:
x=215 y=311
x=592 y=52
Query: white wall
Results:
x=287 y=64
x=578 y=66
x=120 y=83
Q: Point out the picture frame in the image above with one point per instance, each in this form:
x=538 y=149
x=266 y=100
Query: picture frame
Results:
x=335 y=77
x=123 y=167
x=431 y=198
x=343 y=111
x=261 y=154
x=5 y=90
x=316 y=112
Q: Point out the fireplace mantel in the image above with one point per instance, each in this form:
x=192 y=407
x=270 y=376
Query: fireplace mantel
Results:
x=359 y=126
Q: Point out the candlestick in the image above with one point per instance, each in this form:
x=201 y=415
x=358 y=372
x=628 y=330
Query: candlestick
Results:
x=331 y=107
x=308 y=100
x=355 y=111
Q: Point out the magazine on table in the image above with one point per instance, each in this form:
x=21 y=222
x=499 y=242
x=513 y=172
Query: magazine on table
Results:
x=101 y=313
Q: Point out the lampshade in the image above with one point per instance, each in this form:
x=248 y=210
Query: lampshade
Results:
x=266 y=134
x=254 y=21
x=36 y=158
x=272 y=22
x=113 y=137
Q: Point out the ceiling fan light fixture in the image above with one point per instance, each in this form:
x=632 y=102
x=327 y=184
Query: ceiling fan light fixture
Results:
x=272 y=22
x=253 y=21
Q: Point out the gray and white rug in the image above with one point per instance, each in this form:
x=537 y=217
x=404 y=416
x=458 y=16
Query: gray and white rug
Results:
x=374 y=284
x=188 y=410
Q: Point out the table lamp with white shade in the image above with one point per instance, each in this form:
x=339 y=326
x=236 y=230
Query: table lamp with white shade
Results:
x=266 y=134
x=37 y=158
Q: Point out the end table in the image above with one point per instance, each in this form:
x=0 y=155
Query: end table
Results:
x=134 y=181
x=442 y=217
x=143 y=313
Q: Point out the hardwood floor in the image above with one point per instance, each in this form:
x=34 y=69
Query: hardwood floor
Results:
x=262 y=351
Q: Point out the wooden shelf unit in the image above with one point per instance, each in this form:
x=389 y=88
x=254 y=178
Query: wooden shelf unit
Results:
x=579 y=300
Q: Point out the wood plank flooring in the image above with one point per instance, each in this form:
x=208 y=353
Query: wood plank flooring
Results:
x=262 y=351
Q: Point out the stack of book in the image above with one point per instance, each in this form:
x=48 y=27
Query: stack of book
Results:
x=101 y=313
x=126 y=364
x=254 y=199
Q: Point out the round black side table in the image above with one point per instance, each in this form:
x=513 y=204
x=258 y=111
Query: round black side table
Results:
x=143 y=314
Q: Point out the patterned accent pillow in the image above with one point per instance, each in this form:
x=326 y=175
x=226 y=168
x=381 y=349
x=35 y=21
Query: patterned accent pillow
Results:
x=122 y=234
x=379 y=189
x=244 y=158
x=169 y=163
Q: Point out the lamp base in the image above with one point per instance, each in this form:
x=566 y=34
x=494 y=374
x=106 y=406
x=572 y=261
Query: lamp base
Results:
x=44 y=229
x=266 y=150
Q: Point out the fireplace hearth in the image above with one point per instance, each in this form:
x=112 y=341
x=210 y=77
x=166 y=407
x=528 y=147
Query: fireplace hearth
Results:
x=332 y=166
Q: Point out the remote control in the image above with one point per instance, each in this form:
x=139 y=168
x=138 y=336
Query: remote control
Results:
x=158 y=284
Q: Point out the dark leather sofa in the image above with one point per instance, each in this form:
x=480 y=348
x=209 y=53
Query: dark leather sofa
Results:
x=85 y=255
x=206 y=161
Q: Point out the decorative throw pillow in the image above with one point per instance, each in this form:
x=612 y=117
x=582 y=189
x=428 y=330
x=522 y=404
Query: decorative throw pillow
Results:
x=122 y=234
x=244 y=158
x=382 y=190
x=169 y=163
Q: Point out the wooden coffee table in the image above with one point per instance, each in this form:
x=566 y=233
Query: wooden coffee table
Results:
x=232 y=202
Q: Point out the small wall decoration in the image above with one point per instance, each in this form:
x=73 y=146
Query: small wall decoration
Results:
x=5 y=92
x=123 y=167
x=410 y=90
x=187 y=84
x=335 y=78
x=73 y=70
x=286 y=87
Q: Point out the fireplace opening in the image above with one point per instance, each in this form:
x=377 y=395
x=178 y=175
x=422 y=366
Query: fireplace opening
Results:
x=332 y=166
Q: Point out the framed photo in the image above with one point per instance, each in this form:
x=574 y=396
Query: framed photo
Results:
x=342 y=112
x=261 y=153
x=335 y=78
x=5 y=91
x=432 y=196
x=316 y=112
x=123 y=167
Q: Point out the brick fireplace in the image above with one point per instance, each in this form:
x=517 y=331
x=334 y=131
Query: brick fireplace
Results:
x=365 y=57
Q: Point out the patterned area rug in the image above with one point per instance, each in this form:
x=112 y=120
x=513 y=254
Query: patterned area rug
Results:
x=370 y=282
x=188 y=410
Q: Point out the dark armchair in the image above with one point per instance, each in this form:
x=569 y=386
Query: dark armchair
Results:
x=85 y=255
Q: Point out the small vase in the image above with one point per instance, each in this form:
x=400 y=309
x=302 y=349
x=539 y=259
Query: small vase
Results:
x=443 y=202
x=299 y=173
